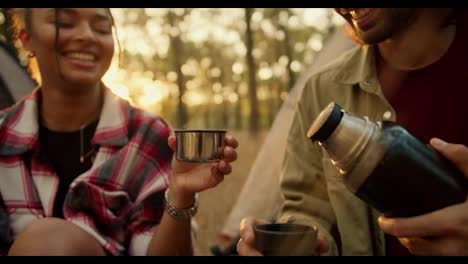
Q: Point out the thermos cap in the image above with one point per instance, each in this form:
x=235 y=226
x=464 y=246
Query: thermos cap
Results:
x=325 y=123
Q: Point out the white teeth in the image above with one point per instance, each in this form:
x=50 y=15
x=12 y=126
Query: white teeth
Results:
x=81 y=56
x=359 y=13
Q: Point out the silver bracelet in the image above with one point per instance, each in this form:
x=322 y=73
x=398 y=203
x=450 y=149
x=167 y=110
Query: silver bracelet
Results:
x=180 y=214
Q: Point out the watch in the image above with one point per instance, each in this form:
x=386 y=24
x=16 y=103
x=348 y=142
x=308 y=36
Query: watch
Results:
x=180 y=214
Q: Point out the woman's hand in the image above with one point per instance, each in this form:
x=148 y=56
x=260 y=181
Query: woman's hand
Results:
x=189 y=178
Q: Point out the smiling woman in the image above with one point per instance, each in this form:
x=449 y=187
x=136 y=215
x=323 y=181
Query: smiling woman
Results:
x=83 y=171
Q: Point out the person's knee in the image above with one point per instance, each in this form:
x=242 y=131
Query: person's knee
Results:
x=53 y=236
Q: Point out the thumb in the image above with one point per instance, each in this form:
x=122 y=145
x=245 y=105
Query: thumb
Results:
x=322 y=246
x=171 y=140
x=456 y=153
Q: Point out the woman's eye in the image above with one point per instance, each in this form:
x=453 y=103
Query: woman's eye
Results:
x=65 y=25
x=103 y=30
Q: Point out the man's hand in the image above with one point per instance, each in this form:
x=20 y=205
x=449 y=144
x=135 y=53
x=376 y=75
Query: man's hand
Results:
x=246 y=244
x=442 y=232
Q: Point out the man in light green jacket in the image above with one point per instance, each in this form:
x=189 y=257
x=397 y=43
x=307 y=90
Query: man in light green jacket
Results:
x=409 y=61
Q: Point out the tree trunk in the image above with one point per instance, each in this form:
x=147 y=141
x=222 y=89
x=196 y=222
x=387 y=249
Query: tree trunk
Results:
x=177 y=51
x=237 y=109
x=253 y=121
x=289 y=54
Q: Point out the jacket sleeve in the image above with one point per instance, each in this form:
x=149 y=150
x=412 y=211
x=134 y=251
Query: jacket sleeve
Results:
x=120 y=202
x=148 y=209
x=303 y=182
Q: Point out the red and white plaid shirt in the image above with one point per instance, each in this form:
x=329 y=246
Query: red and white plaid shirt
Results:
x=119 y=200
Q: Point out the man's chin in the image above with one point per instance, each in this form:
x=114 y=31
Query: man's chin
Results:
x=371 y=38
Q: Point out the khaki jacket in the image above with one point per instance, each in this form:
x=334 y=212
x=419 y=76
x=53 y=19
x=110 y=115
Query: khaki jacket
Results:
x=312 y=187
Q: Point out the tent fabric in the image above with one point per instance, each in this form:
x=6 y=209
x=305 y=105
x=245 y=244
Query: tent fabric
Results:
x=15 y=82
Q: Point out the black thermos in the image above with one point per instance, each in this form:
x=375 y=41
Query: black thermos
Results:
x=386 y=166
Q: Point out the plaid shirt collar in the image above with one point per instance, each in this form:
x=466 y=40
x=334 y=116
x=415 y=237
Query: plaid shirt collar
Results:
x=19 y=128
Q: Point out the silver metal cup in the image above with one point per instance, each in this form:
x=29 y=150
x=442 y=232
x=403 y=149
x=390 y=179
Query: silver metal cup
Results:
x=199 y=145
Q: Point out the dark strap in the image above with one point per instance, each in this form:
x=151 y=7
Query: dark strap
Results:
x=5 y=231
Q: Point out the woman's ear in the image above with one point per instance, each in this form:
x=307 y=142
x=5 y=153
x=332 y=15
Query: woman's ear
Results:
x=25 y=39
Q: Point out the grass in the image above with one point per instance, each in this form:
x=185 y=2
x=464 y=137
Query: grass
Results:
x=215 y=204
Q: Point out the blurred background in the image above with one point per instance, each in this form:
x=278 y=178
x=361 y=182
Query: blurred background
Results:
x=207 y=68
x=229 y=68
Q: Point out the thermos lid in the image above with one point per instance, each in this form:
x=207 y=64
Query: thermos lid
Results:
x=325 y=123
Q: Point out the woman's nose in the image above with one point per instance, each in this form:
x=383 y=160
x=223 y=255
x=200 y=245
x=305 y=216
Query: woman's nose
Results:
x=85 y=32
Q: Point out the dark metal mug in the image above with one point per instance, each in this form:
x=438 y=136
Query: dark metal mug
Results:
x=286 y=239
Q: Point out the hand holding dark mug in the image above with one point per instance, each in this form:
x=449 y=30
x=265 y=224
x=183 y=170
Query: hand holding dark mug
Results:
x=252 y=243
x=285 y=239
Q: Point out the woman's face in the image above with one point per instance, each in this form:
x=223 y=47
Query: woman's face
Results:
x=85 y=44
